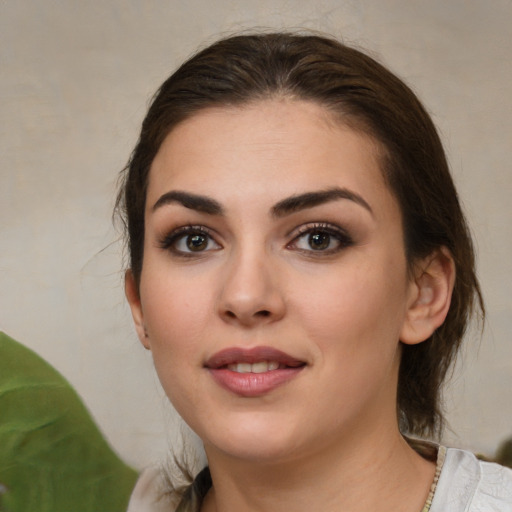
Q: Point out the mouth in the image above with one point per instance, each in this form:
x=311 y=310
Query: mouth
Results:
x=259 y=367
x=252 y=360
x=253 y=372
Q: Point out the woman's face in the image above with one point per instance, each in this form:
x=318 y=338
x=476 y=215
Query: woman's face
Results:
x=274 y=286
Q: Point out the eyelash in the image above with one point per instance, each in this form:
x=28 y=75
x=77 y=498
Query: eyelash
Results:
x=170 y=241
x=342 y=238
x=332 y=231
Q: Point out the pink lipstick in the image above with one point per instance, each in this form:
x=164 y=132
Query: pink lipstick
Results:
x=253 y=372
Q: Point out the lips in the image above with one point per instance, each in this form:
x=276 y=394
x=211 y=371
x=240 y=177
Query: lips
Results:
x=253 y=372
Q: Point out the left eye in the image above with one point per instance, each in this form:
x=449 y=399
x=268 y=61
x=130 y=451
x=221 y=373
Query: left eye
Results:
x=321 y=239
x=197 y=242
x=189 y=240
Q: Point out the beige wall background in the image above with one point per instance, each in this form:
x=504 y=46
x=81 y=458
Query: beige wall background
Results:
x=75 y=80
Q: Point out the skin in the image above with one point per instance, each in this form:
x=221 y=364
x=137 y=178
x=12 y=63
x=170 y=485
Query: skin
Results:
x=343 y=309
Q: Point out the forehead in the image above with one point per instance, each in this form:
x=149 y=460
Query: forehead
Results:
x=270 y=147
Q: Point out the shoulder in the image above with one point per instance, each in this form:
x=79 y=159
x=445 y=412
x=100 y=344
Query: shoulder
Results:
x=149 y=493
x=154 y=492
x=467 y=484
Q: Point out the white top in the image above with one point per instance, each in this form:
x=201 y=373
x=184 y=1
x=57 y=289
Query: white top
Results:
x=465 y=484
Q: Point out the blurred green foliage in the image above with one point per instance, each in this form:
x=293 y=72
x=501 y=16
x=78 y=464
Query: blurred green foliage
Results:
x=53 y=458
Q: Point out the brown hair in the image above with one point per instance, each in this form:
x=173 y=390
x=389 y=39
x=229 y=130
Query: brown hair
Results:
x=362 y=93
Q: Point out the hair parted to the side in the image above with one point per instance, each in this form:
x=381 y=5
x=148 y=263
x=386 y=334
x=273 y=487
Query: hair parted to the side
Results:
x=358 y=92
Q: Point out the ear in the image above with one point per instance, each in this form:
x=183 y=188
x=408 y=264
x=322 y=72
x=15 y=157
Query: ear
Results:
x=431 y=293
x=131 y=291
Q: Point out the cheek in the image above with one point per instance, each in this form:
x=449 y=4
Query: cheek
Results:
x=176 y=317
x=174 y=302
x=353 y=310
x=354 y=325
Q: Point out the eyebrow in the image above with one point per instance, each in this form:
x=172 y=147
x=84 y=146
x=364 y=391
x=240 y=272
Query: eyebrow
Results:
x=285 y=207
x=311 y=199
x=196 y=202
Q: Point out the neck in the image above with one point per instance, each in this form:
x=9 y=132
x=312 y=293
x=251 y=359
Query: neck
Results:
x=385 y=474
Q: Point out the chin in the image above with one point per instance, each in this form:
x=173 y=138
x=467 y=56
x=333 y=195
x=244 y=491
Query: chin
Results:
x=259 y=451
x=255 y=440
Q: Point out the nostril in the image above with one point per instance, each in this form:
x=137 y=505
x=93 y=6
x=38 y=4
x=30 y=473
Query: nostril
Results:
x=247 y=316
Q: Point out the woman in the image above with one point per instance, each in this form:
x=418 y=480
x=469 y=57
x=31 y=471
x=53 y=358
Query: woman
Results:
x=302 y=272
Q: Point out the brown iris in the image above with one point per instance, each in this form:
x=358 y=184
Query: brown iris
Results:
x=319 y=240
x=196 y=242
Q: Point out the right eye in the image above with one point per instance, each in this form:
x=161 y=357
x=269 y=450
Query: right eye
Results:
x=189 y=240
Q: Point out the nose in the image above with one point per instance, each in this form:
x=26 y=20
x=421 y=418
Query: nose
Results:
x=250 y=291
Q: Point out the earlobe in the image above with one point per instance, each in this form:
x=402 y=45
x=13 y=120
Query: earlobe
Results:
x=131 y=291
x=431 y=294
